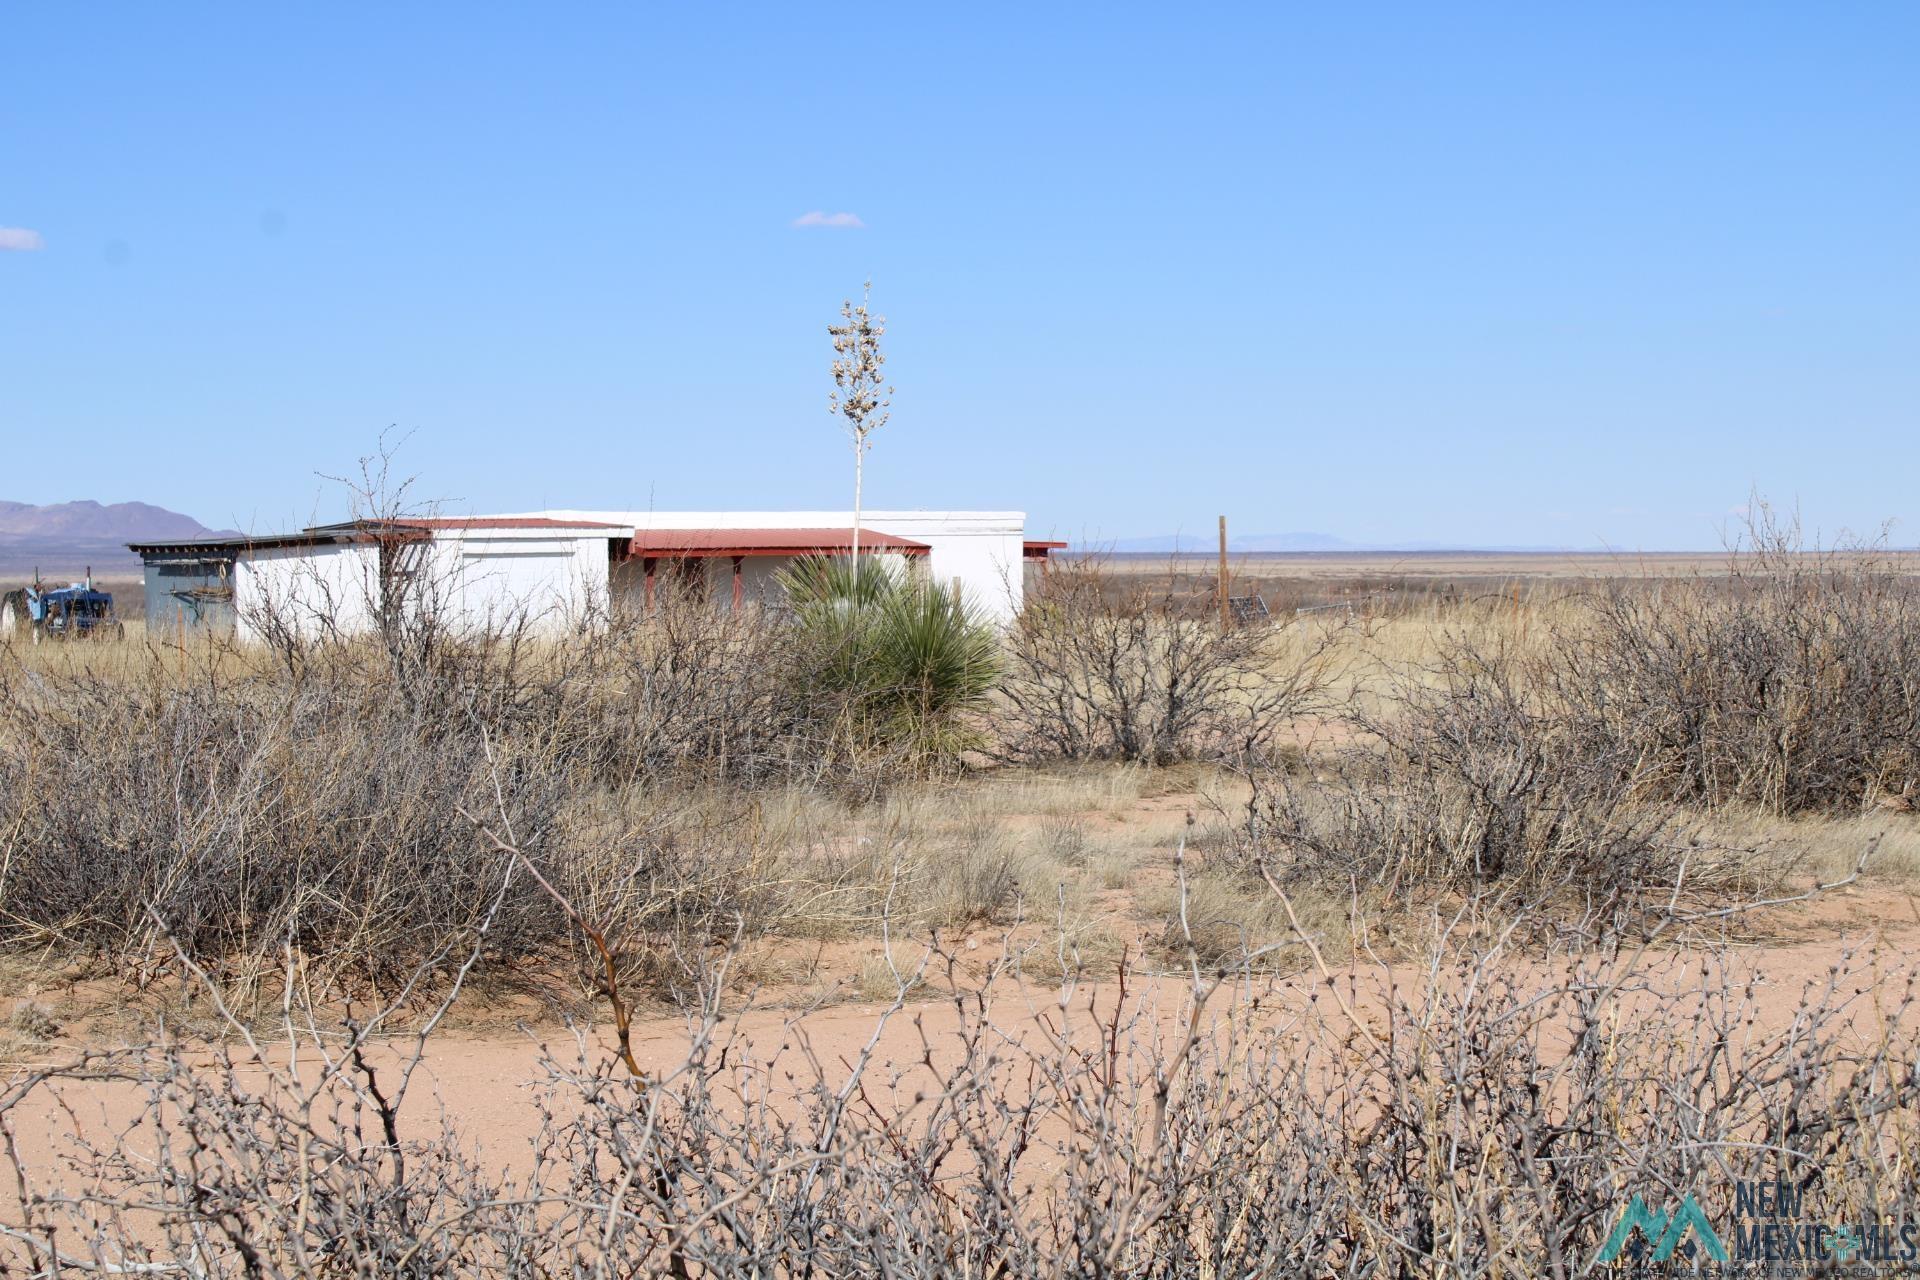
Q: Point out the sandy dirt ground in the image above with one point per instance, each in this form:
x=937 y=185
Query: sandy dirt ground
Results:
x=484 y=1083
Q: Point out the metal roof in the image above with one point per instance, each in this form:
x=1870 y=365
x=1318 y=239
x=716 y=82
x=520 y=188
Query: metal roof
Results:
x=1037 y=550
x=645 y=542
x=767 y=542
x=235 y=545
x=467 y=522
x=350 y=531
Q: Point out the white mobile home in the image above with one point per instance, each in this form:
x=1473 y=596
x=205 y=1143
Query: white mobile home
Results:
x=556 y=568
x=333 y=577
x=743 y=550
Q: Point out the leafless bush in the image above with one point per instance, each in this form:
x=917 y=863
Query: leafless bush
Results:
x=1578 y=765
x=1792 y=684
x=249 y=817
x=685 y=690
x=307 y=798
x=1103 y=671
x=388 y=590
x=263 y=813
x=1463 y=784
x=1478 y=1114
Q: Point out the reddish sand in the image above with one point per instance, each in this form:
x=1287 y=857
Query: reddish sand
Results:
x=484 y=1085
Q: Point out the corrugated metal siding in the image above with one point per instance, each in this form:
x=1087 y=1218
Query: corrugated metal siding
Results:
x=187 y=593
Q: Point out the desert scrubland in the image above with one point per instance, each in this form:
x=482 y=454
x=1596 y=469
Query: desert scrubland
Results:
x=1409 y=937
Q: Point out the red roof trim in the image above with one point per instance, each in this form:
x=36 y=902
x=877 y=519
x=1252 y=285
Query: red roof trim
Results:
x=767 y=542
x=1039 y=550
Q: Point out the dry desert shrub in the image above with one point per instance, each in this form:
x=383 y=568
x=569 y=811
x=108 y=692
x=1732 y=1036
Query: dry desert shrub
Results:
x=249 y=815
x=1586 y=758
x=684 y=690
x=313 y=797
x=314 y=808
x=1103 y=667
x=1792 y=683
x=1467 y=786
x=1481 y=1113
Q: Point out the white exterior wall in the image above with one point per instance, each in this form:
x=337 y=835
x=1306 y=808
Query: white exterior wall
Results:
x=757 y=585
x=308 y=589
x=980 y=548
x=553 y=578
x=983 y=549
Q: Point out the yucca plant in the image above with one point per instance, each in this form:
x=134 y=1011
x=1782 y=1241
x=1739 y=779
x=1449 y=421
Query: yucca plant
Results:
x=836 y=582
x=936 y=658
x=908 y=659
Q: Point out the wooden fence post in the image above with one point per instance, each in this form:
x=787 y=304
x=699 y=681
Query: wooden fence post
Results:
x=1226 y=610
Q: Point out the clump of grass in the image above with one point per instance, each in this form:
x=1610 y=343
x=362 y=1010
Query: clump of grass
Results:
x=974 y=878
x=1224 y=914
x=1084 y=947
x=31 y=1021
x=881 y=978
x=1829 y=847
x=1112 y=869
x=1064 y=841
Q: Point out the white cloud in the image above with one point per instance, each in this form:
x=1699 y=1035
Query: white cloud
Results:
x=819 y=219
x=20 y=239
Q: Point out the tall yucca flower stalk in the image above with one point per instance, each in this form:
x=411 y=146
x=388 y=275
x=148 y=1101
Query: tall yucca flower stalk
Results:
x=860 y=396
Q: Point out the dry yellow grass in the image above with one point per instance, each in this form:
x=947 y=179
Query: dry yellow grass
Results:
x=1518 y=566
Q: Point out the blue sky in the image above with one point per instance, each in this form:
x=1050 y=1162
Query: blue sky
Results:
x=1522 y=274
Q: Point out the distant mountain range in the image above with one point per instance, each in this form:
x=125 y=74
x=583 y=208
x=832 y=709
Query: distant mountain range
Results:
x=1188 y=544
x=87 y=519
x=64 y=539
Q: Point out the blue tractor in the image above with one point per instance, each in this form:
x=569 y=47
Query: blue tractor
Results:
x=77 y=612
